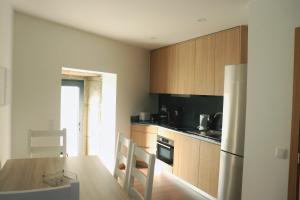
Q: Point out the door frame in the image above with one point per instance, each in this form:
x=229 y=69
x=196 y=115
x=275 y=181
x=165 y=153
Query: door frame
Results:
x=293 y=188
x=80 y=84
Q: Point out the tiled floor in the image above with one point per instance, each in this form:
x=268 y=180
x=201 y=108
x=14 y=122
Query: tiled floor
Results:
x=166 y=187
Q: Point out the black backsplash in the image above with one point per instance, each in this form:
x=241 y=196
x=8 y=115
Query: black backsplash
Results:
x=189 y=107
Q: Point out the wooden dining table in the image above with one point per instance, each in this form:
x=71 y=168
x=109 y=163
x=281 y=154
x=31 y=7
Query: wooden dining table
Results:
x=96 y=182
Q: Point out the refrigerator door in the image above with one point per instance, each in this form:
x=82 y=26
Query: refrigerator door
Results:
x=230 y=177
x=234 y=109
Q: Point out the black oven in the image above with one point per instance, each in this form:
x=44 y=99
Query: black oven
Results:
x=165 y=150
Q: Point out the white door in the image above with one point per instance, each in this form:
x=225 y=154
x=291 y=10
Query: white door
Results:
x=71 y=114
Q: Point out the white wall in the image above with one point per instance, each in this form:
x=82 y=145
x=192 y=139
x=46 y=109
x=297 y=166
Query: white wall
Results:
x=269 y=97
x=108 y=117
x=41 y=48
x=6 y=16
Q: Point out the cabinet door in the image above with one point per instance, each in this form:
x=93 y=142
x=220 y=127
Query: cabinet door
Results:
x=186 y=158
x=166 y=133
x=154 y=71
x=185 y=55
x=144 y=128
x=146 y=140
x=144 y=136
x=227 y=51
x=163 y=70
x=205 y=66
x=209 y=168
x=158 y=70
x=171 y=71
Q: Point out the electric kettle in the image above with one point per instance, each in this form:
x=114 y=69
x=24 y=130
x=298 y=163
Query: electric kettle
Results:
x=203 y=122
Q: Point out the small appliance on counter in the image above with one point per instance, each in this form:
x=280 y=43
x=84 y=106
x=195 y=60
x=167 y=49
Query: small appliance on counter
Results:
x=175 y=117
x=216 y=121
x=144 y=116
x=164 y=115
x=203 y=122
x=155 y=118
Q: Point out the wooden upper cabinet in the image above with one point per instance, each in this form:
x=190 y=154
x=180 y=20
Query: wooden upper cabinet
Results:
x=171 y=70
x=154 y=71
x=186 y=66
x=186 y=158
x=163 y=71
x=204 y=81
x=230 y=48
x=197 y=66
x=158 y=69
x=209 y=168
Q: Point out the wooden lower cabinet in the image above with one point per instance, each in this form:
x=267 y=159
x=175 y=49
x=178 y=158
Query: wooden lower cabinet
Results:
x=186 y=158
x=166 y=133
x=208 y=176
x=145 y=136
x=197 y=162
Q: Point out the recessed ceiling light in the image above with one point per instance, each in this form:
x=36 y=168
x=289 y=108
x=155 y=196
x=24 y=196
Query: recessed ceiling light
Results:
x=203 y=19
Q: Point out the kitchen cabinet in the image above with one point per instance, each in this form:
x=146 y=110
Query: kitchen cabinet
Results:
x=208 y=174
x=197 y=66
x=166 y=133
x=172 y=71
x=163 y=73
x=204 y=76
x=195 y=161
x=145 y=136
x=186 y=158
x=185 y=63
x=230 y=48
x=158 y=71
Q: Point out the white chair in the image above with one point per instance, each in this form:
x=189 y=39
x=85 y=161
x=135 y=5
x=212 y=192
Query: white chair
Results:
x=145 y=179
x=123 y=156
x=47 y=143
x=68 y=192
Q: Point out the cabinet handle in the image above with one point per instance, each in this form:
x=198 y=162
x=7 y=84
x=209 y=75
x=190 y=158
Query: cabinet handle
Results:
x=164 y=145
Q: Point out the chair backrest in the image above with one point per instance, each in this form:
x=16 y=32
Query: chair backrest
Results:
x=145 y=179
x=123 y=156
x=47 y=143
x=68 y=192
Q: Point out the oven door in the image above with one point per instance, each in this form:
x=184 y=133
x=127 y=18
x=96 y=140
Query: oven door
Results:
x=165 y=152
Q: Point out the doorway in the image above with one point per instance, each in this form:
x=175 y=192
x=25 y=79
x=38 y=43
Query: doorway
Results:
x=71 y=114
x=97 y=134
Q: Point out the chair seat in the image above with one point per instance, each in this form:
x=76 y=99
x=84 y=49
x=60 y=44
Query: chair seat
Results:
x=139 y=164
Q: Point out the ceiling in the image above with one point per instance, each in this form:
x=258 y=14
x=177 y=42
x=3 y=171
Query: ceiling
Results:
x=144 y=23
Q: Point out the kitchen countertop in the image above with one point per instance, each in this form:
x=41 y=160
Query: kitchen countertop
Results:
x=199 y=137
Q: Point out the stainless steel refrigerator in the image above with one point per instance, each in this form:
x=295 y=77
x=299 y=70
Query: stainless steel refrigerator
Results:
x=233 y=133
